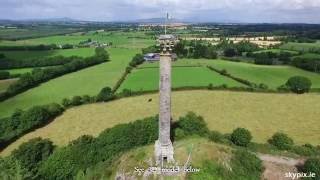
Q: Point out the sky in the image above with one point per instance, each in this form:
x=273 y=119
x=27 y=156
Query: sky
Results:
x=244 y=11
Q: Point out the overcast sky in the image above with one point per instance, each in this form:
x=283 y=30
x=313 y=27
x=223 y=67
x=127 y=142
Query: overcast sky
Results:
x=278 y=11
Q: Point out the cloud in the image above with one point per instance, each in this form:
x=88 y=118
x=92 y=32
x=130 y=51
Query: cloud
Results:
x=204 y=10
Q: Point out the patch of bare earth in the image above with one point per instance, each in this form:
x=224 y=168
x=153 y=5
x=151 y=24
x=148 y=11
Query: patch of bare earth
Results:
x=276 y=167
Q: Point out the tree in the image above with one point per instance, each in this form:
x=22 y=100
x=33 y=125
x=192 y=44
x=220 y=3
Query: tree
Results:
x=101 y=53
x=241 y=137
x=4 y=75
x=299 y=84
x=281 y=141
x=230 y=52
x=105 y=94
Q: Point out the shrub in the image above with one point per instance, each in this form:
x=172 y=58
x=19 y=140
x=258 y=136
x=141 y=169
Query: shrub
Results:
x=76 y=101
x=281 y=141
x=312 y=166
x=126 y=92
x=193 y=124
x=246 y=165
x=66 y=102
x=216 y=136
x=179 y=134
x=105 y=95
x=299 y=84
x=241 y=137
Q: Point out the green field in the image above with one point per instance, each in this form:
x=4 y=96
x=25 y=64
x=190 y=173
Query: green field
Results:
x=273 y=76
x=82 y=52
x=118 y=39
x=148 y=78
x=88 y=81
x=262 y=113
x=4 y=84
x=278 y=51
x=301 y=46
x=310 y=56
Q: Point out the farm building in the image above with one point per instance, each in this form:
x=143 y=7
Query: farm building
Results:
x=152 y=57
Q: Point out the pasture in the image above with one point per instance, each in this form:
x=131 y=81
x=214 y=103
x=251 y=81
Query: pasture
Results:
x=82 y=52
x=273 y=76
x=88 y=81
x=263 y=114
x=148 y=78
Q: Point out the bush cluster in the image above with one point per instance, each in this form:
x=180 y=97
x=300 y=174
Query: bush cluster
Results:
x=78 y=100
x=22 y=122
x=312 y=165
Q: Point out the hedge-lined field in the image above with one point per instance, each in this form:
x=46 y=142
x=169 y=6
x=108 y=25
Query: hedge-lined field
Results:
x=273 y=76
x=148 y=78
x=301 y=46
x=82 y=52
x=263 y=114
x=118 y=39
x=85 y=82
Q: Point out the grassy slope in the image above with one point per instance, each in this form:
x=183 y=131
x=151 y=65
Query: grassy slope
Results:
x=88 y=81
x=273 y=76
x=263 y=114
x=83 y=52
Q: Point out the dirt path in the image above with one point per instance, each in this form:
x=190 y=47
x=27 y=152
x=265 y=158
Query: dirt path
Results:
x=277 y=166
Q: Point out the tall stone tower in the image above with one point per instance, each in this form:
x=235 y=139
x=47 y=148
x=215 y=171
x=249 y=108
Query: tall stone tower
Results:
x=163 y=146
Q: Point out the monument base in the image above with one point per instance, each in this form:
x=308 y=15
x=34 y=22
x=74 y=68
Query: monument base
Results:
x=163 y=153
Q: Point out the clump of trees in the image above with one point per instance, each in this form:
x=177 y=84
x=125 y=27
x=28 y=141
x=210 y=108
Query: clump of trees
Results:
x=312 y=165
x=87 y=151
x=31 y=154
x=22 y=122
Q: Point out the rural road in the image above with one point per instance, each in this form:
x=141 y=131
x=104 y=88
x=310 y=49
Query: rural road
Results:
x=277 y=166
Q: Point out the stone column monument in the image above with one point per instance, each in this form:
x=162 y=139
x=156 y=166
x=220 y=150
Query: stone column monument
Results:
x=163 y=146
